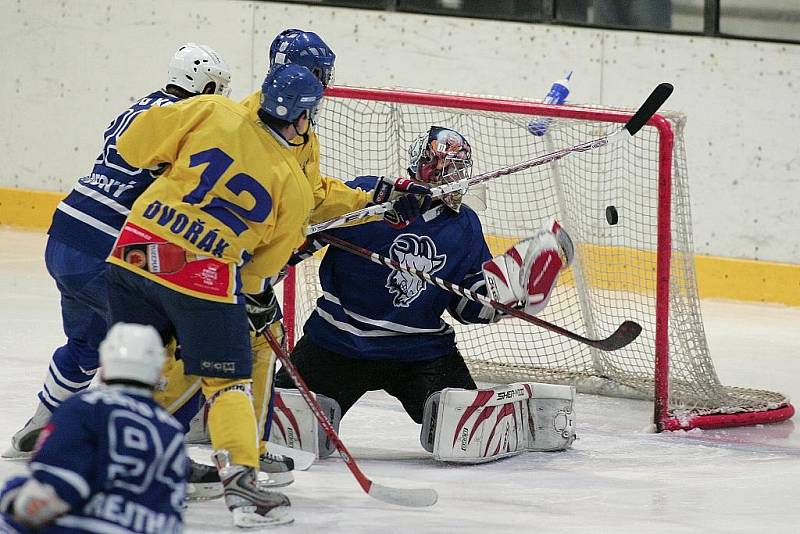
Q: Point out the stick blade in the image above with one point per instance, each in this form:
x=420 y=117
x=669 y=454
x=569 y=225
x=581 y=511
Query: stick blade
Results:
x=649 y=108
x=414 y=497
x=622 y=336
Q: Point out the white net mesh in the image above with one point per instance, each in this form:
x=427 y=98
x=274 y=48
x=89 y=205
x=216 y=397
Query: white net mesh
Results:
x=614 y=275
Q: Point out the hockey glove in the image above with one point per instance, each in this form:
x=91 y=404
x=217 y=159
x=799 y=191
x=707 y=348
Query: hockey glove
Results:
x=36 y=504
x=262 y=310
x=309 y=247
x=410 y=199
x=527 y=272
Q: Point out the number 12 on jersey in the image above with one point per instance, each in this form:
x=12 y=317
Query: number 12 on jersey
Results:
x=228 y=213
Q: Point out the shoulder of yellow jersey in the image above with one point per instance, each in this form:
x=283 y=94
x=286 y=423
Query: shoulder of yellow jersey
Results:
x=230 y=115
x=252 y=101
x=217 y=103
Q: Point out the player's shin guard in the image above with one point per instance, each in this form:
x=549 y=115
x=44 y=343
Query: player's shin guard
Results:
x=278 y=467
x=176 y=389
x=231 y=419
x=263 y=378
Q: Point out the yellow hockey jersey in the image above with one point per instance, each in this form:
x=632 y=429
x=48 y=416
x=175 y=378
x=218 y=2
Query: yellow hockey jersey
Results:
x=331 y=197
x=232 y=194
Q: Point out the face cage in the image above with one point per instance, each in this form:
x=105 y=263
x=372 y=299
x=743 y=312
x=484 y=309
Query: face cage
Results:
x=312 y=114
x=452 y=170
x=226 y=89
x=324 y=75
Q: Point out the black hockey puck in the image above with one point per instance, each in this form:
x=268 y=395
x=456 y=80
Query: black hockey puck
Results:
x=611 y=215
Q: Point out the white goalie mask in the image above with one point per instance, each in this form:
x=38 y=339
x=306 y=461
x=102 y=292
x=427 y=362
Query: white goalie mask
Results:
x=439 y=157
x=194 y=66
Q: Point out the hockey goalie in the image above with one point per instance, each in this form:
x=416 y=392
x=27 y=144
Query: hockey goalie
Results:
x=375 y=328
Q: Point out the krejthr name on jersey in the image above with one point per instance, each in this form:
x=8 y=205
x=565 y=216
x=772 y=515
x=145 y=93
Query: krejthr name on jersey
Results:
x=115 y=509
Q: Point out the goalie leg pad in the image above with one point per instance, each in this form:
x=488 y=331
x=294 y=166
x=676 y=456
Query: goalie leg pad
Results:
x=294 y=424
x=476 y=426
x=552 y=418
x=427 y=433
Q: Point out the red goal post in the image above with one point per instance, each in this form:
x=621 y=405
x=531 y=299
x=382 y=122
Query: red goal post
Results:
x=640 y=268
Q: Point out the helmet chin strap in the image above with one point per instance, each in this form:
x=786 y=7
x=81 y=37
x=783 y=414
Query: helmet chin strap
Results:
x=304 y=135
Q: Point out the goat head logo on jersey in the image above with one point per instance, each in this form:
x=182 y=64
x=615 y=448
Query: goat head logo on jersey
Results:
x=415 y=252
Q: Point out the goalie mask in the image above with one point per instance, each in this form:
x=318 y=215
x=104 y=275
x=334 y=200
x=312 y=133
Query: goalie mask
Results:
x=439 y=157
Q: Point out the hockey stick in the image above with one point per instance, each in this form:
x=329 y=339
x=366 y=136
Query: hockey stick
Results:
x=634 y=124
x=399 y=496
x=622 y=336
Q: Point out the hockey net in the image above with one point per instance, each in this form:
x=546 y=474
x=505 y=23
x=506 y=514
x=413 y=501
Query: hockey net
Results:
x=641 y=268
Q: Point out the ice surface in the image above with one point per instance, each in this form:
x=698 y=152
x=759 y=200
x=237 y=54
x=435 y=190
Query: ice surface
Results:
x=617 y=478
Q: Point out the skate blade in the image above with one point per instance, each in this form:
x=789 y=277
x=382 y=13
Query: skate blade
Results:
x=13 y=453
x=204 y=491
x=246 y=517
x=276 y=480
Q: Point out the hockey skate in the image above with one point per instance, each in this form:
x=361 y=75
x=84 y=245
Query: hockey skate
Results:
x=250 y=506
x=24 y=441
x=279 y=469
x=203 y=483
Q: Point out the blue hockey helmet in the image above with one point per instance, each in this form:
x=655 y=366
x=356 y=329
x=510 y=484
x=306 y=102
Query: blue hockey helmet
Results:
x=306 y=49
x=290 y=90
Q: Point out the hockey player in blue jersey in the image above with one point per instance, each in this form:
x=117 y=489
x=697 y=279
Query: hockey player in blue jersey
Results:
x=110 y=459
x=84 y=228
x=379 y=329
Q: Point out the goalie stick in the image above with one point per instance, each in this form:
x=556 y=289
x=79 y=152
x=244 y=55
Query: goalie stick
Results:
x=622 y=336
x=400 y=496
x=634 y=124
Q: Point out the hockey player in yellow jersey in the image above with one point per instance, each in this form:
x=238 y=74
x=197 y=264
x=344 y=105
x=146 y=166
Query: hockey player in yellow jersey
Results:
x=229 y=209
x=331 y=198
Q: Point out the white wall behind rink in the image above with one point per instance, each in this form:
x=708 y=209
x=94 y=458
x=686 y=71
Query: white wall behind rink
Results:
x=70 y=66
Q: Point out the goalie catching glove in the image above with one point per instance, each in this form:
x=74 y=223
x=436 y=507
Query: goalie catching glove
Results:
x=527 y=272
x=410 y=199
x=262 y=310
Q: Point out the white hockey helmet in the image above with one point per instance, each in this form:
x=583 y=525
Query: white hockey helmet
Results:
x=194 y=66
x=132 y=352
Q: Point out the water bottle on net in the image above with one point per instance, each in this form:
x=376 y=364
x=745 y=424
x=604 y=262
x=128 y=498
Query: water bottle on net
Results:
x=557 y=96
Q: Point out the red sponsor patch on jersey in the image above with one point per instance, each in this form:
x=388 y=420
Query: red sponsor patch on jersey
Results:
x=175 y=265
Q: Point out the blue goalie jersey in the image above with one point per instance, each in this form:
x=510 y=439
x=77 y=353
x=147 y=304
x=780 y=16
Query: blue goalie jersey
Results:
x=118 y=460
x=372 y=312
x=90 y=217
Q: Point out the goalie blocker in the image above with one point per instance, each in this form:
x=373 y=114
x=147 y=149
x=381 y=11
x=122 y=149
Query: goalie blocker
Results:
x=487 y=424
